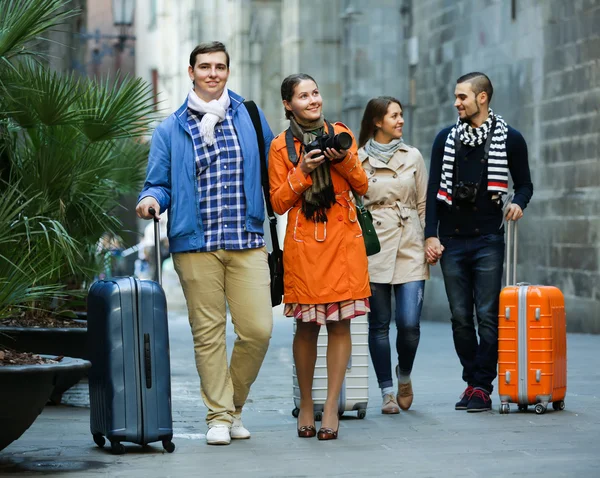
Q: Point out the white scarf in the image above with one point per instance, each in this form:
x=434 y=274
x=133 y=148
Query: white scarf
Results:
x=213 y=112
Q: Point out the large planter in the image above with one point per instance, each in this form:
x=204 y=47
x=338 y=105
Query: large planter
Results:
x=25 y=389
x=55 y=341
x=67 y=341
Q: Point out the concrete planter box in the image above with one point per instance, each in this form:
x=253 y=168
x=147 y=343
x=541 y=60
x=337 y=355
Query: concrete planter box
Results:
x=53 y=341
x=25 y=389
x=67 y=341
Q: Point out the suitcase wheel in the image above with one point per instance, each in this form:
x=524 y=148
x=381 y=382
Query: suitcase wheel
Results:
x=318 y=416
x=362 y=413
x=169 y=446
x=540 y=409
x=560 y=405
x=295 y=412
x=504 y=408
x=99 y=440
x=117 y=448
x=523 y=408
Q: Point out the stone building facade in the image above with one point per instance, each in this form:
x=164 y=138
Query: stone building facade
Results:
x=543 y=57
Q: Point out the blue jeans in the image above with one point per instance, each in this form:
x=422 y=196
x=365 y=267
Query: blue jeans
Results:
x=409 y=301
x=472 y=269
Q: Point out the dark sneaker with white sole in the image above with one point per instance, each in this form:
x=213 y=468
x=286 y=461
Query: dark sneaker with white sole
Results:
x=464 y=399
x=480 y=401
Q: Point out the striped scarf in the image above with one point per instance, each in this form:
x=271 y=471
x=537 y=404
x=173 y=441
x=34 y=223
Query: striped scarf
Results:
x=320 y=196
x=469 y=136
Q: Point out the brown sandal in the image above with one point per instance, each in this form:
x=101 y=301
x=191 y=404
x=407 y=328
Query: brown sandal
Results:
x=327 y=434
x=307 y=431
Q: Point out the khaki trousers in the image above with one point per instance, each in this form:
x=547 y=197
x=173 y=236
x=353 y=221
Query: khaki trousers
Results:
x=242 y=279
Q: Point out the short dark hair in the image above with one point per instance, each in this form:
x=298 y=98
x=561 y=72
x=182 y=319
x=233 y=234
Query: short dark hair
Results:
x=479 y=82
x=288 y=85
x=375 y=110
x=209 y=47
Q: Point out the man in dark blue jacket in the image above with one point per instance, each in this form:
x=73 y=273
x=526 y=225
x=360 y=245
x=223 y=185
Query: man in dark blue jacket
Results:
x=204 y=168
x=467 y=202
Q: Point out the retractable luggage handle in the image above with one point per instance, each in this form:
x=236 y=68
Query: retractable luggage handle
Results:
x=511 y=263
x=156 y=246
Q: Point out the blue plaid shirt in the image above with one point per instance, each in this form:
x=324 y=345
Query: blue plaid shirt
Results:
x=221 y=188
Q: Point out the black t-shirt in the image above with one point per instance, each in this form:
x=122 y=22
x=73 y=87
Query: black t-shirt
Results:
x=485 y=215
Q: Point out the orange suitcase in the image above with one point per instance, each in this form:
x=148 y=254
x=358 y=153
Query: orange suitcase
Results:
x=532 y=342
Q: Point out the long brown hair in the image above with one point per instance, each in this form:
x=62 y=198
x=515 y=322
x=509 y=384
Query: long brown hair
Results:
x=375 y=110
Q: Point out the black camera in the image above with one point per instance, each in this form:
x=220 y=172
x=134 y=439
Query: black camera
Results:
x=338 y=142
x=466 y=192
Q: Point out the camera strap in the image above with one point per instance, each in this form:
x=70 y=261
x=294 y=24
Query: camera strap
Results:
x=486 y=153
x=289 y=143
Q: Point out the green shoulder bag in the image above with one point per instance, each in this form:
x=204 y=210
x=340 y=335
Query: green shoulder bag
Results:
x=366 y=224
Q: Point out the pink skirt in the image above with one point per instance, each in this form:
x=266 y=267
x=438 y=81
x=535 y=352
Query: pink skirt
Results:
x=323 y=313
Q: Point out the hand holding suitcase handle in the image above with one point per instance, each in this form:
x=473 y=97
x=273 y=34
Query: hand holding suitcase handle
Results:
x=156 y=246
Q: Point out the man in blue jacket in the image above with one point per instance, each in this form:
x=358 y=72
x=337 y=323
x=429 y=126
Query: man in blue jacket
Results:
x=204 y=168
x=467 y=202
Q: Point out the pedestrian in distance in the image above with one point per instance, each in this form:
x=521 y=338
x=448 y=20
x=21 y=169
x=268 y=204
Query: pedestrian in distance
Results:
x=204 y=168
x=467 y=201
x=396 y=198
x=312 y=175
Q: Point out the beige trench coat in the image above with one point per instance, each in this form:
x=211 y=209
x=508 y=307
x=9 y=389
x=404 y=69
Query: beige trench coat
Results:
x=396 y=199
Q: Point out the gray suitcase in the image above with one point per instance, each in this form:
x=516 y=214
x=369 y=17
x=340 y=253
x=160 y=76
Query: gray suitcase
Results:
x=130 y=377
x=354 y=395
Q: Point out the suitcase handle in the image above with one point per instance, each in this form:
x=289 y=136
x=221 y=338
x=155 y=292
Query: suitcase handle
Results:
x=511 y=263
x=148 y=360
x=156 y=246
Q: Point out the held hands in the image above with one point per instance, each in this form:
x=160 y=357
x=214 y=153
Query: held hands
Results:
x=142 y=209
x=514 y=212
x=316 y=157
x=433 y=250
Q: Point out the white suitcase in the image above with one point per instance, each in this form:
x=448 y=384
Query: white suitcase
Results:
x=355 y=389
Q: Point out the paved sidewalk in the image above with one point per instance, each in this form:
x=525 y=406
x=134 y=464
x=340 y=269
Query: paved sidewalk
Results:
x=431 y=440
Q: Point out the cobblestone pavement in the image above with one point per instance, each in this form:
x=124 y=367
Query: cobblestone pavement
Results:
x=430 y=440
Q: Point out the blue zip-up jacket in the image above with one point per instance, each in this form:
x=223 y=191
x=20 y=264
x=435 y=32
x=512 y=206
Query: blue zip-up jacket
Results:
x=171 y=175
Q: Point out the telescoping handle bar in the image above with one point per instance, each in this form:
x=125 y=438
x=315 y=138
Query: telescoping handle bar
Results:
x=156 y=246
x=511 y=246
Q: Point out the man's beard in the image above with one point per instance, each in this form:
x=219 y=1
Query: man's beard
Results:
x=473 y=115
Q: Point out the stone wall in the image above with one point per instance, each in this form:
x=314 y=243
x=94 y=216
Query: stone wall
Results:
x=65 y=49
x=543 y=59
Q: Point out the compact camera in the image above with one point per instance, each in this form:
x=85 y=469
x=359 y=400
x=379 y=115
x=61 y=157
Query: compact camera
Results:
x=338 y=142
x=466 y=192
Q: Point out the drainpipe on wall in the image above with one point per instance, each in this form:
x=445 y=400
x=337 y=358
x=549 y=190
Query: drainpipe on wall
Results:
x=412 y=54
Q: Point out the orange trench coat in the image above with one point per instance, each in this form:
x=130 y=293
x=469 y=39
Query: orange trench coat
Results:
x=323 y=262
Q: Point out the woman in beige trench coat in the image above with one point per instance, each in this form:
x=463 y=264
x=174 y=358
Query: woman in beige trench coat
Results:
x=396 y=199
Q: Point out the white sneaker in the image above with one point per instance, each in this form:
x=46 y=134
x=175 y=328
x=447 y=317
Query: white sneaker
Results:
x=218 y=435
x=238 y=431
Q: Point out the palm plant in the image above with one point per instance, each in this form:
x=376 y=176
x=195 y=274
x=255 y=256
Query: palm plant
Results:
x=69 y=149
x=31 y=250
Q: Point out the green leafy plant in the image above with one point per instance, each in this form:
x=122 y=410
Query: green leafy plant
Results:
x=69 y=149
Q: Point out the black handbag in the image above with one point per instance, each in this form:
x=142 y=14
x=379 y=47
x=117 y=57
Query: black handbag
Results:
x=276 y=255
x=365 y=219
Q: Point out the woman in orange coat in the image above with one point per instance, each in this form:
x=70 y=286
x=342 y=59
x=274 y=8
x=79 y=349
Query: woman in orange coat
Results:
x=325 y=263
